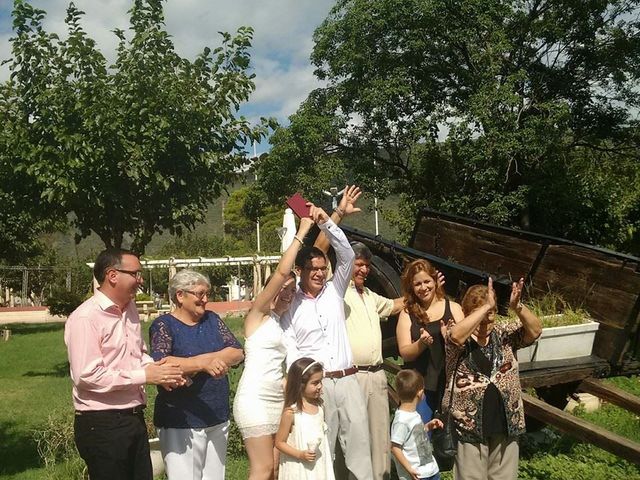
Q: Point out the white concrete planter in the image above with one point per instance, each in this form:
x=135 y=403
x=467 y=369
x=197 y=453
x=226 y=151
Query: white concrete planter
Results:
x=156 y=457
x=558 y=343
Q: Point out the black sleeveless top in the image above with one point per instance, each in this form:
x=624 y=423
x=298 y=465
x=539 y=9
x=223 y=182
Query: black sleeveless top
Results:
x=430 y=363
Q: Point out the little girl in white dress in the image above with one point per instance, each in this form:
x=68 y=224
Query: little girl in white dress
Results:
x=302 y=436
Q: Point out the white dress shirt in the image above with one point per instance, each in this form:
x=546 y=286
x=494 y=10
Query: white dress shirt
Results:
x=317 y=324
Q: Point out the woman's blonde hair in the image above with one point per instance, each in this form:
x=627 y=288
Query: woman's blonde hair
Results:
x=411 y=301
x=475 y=297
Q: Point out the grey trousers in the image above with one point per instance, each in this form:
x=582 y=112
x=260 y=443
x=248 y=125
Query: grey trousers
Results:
x=346 y=416
x=496 y=459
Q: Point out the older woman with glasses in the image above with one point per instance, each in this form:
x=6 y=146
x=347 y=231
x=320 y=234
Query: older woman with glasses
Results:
x=193 y=420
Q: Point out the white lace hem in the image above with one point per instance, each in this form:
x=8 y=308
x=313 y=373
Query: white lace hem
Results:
x=258 y=430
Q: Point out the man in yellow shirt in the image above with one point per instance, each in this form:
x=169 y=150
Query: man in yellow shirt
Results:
x=363 y=310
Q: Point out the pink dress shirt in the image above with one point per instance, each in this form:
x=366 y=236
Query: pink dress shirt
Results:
x=107 y=355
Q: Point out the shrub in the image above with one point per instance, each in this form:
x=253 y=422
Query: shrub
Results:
x=143 y=297
x=57 y=449
x=62 y=302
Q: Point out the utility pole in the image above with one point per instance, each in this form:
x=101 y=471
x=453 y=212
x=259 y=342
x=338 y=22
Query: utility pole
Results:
x=255 y=159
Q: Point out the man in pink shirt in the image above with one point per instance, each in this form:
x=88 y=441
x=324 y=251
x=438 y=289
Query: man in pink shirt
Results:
x=109 y=367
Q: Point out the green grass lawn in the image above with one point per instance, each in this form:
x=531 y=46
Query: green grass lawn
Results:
x=35 y=384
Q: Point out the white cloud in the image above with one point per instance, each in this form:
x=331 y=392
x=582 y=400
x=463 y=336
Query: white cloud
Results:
x=282 y=41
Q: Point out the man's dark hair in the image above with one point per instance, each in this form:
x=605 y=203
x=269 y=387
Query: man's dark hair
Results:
x=109 y=258
x=361 y=251
x=306 y=254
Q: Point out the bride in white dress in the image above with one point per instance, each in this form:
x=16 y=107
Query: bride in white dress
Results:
x=260 y=396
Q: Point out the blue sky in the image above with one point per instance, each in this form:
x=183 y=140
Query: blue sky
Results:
x=281 y=46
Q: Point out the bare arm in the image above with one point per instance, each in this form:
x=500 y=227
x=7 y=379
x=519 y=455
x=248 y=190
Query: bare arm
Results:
x=463 y=329
x=210 y=362
x=408 y=349
x=215 y=363
x=262 y=303
x=398 y=305
x=530 y=322
x=286 y=422
x=345 y=208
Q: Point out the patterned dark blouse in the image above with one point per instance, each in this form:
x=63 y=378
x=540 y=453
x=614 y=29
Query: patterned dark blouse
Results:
x=206 y=401
x=471 y=384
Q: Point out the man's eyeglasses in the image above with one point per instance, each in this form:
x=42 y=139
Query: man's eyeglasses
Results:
x=137 y=274
x=317 y=269
x=198 y=295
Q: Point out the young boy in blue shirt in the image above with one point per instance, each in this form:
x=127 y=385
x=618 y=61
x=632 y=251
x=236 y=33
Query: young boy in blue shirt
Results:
x=410 y=444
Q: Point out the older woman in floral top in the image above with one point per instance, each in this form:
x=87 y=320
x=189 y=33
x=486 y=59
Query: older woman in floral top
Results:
x=487 y=404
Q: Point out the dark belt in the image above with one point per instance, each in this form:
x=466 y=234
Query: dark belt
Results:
x=341 y=373
x=138 y=409
x=369 y=368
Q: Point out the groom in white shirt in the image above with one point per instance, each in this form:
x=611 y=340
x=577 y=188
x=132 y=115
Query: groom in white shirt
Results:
x=316 y=323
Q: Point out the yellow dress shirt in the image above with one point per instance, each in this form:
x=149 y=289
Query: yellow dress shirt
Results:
x=363 y=314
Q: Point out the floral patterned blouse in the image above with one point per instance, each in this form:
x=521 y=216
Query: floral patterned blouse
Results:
x=471 y=384
x=205 y=402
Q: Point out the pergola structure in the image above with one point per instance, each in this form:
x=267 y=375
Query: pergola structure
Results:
x=7 y=294
x=261 y=265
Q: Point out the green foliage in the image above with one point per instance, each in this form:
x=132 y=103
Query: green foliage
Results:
x=517 y=113
x=240 y=222
x=131 y=149
x=546 y=454
x=192 y=245
x=143 y=297
x=63 y=302
x=629 y=384
x=554 y=311
x=304 y=157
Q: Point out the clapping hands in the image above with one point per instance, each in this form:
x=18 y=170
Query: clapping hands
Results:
x=425 y=337
x=516 y=294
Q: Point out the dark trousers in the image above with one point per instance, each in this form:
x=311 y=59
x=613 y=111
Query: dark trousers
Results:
x=114 y=445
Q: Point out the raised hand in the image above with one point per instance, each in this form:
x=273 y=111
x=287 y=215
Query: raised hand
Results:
x=440 y=280
x=491 y=295
x=305 y=225
x=349 y=199
x=317 y=214
x=516 y=293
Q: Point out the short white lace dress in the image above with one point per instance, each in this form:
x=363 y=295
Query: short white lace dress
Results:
x=259 y=399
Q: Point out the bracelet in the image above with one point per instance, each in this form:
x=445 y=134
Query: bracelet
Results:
x=296 y=237
x=339 y=211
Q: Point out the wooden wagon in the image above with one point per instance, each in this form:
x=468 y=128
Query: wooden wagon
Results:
x=604 y=283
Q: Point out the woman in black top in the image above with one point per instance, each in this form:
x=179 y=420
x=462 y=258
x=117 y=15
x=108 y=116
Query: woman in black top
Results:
x=419 y=330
